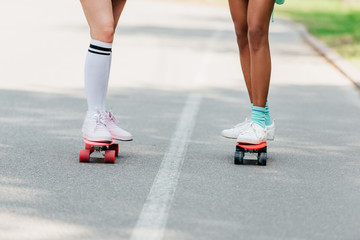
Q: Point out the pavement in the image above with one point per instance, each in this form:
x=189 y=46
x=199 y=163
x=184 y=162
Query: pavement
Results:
x=175 y=84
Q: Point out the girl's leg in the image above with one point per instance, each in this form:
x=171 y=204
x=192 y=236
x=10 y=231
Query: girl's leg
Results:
x=99 y=15
x=259 y=14
x=97 y=66
x=118 y=7
x=102 y=17
x=112 y=123
x=238 y=9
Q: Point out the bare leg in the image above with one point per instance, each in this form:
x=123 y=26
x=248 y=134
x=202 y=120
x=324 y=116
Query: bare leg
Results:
x=259 y=14
x=238 y=9
x=118 y=7
x=99 y=15
x=102 y=17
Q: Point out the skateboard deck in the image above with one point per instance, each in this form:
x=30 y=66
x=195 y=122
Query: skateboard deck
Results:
x=108 y=149
x=242 y=148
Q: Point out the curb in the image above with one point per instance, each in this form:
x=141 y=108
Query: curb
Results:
x=342 y=64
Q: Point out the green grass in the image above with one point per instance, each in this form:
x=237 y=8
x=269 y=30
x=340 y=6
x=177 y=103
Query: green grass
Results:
x=334 y=21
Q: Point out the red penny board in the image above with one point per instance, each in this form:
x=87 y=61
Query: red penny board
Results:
x=98 y=144
x=252 y=146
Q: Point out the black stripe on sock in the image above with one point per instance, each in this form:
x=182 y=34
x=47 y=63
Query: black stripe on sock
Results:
x=100 y=48
x=99 y=52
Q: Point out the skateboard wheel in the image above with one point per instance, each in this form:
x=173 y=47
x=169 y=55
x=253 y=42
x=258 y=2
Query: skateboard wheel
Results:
x=84 y=155
x=239 y=158
x=109 y=156
x=90 y=148
x=115 y=147
x=262 y=157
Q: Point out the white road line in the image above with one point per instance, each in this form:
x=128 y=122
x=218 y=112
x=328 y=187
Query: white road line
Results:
x=152 y=221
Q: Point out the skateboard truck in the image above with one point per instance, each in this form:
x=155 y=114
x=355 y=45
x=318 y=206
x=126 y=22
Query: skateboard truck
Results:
x=110 y=149
x=242 y=148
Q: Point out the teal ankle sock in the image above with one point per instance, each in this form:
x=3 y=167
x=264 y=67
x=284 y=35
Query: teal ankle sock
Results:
x=258 y=115
x=268 y=121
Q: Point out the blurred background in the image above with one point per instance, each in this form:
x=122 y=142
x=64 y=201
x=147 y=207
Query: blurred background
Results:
x=336 y=22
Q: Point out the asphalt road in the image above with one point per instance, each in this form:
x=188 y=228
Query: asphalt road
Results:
x=175 y=84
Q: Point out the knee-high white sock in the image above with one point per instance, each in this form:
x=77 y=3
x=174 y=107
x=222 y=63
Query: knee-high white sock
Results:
x=97 y=70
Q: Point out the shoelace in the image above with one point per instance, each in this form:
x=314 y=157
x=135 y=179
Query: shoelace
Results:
x=113 y=119
x=251 y=129
x=100 y=120
x=257 y=131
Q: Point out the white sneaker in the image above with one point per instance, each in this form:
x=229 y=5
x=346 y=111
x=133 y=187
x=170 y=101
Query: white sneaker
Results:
x=236 y=130
x=113 y=126
x=270 y=131
x=94 y=128
x=253 y=134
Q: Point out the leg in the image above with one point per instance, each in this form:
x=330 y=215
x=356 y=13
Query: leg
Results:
x=259 y=14
x=112 y=123
x=118 y=7
x=97 y=66
x=238 y=9
x=99 y=15
x=102 y=17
